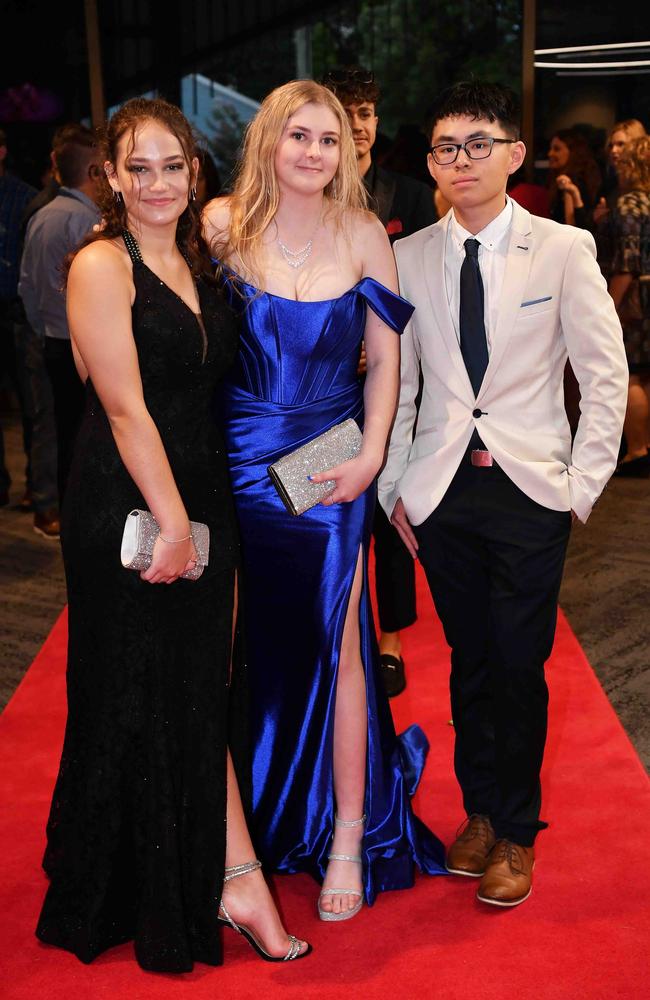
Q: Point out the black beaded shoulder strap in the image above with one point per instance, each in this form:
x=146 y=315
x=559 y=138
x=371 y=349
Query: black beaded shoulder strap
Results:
x=132 y=246
x=134 y=250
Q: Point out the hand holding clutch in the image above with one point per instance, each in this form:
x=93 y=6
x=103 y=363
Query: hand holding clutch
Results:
x=291 y=473
x=141 y=532
x=351 y=479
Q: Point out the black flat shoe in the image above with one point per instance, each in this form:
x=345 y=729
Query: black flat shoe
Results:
x=392 y=672
x=294 y=951
x=636 y=468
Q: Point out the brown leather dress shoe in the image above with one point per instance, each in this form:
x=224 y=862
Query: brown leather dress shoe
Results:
x=508 y=876
x=469 y=852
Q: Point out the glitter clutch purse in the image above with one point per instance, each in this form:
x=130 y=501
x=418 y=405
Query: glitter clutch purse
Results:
x=140 y=533
x=290 y=473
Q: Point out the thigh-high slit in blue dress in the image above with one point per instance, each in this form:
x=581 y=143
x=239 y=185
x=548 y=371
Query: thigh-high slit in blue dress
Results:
x=296 y=376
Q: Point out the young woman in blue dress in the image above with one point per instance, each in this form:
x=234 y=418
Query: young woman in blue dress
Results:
x=302 y=260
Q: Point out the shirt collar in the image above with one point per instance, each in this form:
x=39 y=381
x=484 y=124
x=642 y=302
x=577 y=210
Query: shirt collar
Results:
x=79 y=195
x=490 y=237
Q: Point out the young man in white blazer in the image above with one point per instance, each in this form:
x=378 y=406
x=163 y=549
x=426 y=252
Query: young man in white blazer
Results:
x=486 y=493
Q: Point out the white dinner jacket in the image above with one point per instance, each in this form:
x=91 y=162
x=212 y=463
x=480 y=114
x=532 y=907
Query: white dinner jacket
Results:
x=554 y=303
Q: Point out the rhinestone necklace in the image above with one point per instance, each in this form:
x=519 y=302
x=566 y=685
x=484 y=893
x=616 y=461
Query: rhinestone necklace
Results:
x=295 y=258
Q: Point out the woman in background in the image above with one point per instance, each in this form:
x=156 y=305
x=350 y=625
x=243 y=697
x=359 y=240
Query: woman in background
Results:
x=574 y=178
x=620 y=135
x=629 y=286
x=603 y=215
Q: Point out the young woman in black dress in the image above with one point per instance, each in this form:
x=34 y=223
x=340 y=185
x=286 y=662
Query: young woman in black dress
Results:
x=146 y=824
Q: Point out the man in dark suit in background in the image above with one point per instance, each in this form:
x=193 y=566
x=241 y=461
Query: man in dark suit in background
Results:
x=404 y=206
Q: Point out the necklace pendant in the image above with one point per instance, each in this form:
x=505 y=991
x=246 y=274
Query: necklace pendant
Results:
x=295 y=258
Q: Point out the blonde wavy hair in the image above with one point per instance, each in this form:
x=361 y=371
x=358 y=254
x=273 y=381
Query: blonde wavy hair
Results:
x=256 y=194
x=633 y=167
x=632 y=128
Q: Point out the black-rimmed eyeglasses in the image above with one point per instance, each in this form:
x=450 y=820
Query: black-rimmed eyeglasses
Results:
x=445 y=153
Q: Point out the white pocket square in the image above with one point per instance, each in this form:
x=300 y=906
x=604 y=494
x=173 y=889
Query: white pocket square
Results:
x=534 y=302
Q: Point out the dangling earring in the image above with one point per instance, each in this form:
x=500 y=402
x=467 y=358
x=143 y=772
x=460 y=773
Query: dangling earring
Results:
x=193 y=193
x=118 y=197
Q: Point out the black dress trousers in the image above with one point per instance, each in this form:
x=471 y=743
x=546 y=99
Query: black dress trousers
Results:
x=493 y=559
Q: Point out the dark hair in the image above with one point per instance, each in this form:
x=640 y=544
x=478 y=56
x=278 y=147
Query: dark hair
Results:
x=581 y=166
x=72 y=132
x=352 y=85
x=479 y=99
x=75 y=148
x=211 y=177
x=113 y=210
x=3 y=138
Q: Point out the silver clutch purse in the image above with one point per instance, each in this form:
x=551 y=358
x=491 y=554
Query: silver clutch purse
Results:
x=140 y=533
x=290 y=473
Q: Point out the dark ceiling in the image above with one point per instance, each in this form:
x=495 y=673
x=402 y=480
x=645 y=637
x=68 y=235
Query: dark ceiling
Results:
x=145 y=44
x=149 y=45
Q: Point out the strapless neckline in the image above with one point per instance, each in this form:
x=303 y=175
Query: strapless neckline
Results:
x=304 y=302
x=311 y=302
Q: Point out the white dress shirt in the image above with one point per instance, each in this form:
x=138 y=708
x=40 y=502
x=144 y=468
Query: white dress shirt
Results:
x=492 y=255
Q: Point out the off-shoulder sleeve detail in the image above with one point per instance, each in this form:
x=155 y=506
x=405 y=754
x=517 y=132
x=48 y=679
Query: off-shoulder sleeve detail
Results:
x=391 y=308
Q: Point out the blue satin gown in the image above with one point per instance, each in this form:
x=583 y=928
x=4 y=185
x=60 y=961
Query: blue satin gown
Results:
x=297 y=376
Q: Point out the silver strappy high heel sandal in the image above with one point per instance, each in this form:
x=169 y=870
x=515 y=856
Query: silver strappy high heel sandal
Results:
x=346 y=914
x=294 y=944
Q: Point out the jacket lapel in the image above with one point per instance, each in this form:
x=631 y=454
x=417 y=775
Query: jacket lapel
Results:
x=520 y=252
x=434 y=273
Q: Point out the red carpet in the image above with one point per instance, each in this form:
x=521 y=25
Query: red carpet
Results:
x=582 y=935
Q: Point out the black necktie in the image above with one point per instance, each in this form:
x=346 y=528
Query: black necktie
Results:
x=473 y=342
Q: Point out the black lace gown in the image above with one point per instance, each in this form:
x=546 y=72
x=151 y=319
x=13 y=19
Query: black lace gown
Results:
x=136 y=834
